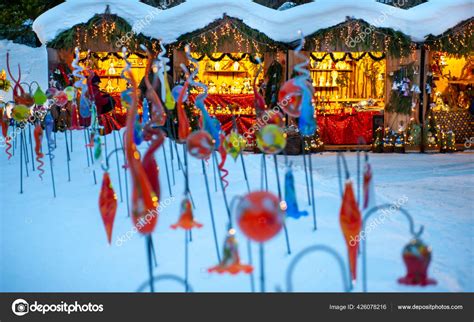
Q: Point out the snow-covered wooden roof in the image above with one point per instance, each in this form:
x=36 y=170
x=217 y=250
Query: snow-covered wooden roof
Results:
x=433 y=17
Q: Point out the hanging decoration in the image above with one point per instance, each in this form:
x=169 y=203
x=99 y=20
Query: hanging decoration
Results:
x=144 y=199
x=200 y=144
x=290 y=196
x=417 y=258
x=211 y=125
x=230 y=262
x=351 y=224
x=157 y=109
x=38 y=135
x=260 y=216
x=271 y=139
x=348 y=55
x=4 y=82
x=5 y=123
x=253 y=58
x=184 y=129
x=368 y=186
x=306 y=122
x=403 y=90
x=234 y=144
x=107 y=205
x=186 y=219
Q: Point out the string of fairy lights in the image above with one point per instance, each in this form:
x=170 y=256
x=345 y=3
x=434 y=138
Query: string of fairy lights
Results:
x=354 y=31
x=459 y=38
x=226 y=29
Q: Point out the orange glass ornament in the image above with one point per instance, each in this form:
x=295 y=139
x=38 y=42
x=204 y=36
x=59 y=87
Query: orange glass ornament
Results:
x=260 y=216
x=230 y=262
x=351 y=224
x=107 y=205
x=200 y=144
x=144 y=199
x=184 y=129
x=186 y=218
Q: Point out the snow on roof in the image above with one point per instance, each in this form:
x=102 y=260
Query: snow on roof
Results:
x=433 y=17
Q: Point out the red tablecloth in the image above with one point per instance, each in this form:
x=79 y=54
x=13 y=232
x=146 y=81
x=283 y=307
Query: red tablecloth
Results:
x=223 y=100
x=335 y=129
x=346 y=128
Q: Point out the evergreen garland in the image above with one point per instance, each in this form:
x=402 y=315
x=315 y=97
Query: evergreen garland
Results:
x=457 y=41
x=356 y=35
x=206 y=40
x=68 y=39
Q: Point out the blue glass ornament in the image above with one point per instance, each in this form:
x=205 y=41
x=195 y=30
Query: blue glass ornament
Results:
x=290 y=197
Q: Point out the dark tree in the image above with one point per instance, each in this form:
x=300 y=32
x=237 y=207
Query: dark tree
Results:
x=17 y=16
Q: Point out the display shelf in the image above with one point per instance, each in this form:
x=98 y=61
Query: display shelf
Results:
x=462 y=82
x=331 y=70
x=225 y=71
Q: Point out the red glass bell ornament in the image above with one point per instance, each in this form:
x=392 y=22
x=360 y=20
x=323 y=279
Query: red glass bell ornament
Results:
x=186 y=218
x=107 y=205
x=417 y=258
x=230 y=262
x=351 y=224
x=260 y=216
x=200 y=144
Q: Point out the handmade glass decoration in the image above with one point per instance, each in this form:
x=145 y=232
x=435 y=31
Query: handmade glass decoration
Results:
x=417 y=257
x=351 y=225
x=186 y=219
x=271 y=139
x=200 y=144
x=260 y=216
x=107 y=205
x=230 y=262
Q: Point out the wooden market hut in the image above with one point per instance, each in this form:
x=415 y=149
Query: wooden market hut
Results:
x=449 y=95
x=352 y=67
x=227 y=50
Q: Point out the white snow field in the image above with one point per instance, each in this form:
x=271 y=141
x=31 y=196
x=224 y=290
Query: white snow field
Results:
x=59 y=244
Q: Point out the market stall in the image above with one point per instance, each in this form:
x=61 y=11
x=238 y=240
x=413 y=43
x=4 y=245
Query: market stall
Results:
x=450 y=81
x=230 y=55
x=350 y=73
x=100 y=41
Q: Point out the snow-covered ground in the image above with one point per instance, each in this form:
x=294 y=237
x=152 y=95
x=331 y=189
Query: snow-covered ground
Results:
x=59 y=244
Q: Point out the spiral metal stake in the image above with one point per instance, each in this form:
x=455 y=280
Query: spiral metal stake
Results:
x=68 y=159
x=373 y=210
x=165 y=277
x=118 y=167
x=31 y=148
x=345 y=274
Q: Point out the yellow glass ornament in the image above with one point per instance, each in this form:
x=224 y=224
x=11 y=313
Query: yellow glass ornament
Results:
x=271 y=139
x=234 y=144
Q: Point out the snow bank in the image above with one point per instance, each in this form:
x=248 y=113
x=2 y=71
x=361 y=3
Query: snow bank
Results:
x=435 y=16
x=33 y=63
x=59 y=244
